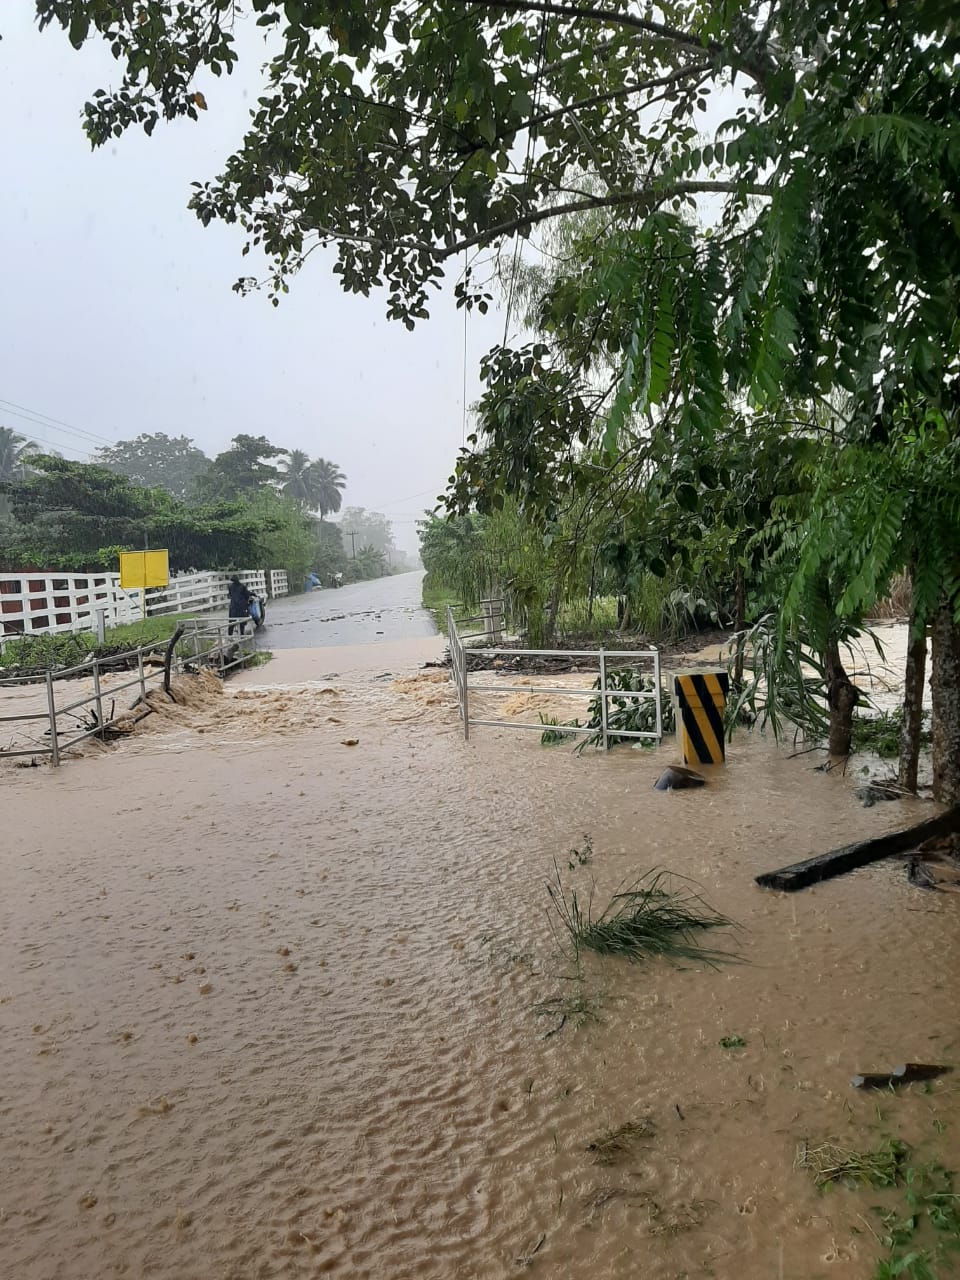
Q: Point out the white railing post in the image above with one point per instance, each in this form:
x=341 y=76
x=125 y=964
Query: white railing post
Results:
x=603 y=698
x=659 y=692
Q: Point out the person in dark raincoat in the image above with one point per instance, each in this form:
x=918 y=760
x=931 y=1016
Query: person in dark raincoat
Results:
x=240 y=597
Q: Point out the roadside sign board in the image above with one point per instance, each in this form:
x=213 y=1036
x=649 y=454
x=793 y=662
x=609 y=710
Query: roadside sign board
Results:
x=142 y=569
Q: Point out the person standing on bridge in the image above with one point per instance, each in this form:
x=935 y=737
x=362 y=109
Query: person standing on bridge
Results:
x=240 y=597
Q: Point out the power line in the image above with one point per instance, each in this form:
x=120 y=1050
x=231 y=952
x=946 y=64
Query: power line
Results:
x=58 y=445
x=54 y=424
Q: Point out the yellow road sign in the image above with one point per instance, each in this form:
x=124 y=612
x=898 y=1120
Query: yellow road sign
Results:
x=142 y=569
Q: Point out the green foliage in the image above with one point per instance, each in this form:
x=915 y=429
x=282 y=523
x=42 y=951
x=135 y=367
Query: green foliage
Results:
x=435 y=598
x=287 y=539
x=659 y=915
x=15 y=449
x=329 y=556
x=157 y=462
x=77 y=516
x=921 y=1239
x=369 y=562
x=55 y=649
x=456 y=559
x=831 y=1163
x=370 y=529
x=241 y=471
x=628 y=710
x=880 y=734
x=313 y=486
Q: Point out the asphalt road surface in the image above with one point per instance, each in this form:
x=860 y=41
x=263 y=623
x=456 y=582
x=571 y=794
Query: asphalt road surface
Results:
x=361 y=613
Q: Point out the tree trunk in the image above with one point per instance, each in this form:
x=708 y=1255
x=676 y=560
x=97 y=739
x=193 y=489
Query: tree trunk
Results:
x=739 y=624
x=842 y=697
x=945 y=688
x=553 y=608
x=912 y=703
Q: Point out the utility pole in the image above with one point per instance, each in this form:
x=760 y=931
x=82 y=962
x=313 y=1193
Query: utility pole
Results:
x=353 y=543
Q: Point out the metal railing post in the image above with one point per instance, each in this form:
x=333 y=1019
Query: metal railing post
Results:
x=143 y=682
x=466 y=708
x=97 y=695
x=52 y=708
x=603 y=698
x=659 y=693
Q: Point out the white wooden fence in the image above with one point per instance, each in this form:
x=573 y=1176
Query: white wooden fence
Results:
x=32 y=602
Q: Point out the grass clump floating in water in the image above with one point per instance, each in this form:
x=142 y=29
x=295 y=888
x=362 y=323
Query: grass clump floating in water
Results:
x=829 y=1162
x=613 y=1145
x=659 y=915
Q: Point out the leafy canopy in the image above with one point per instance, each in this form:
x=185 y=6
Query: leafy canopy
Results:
x=157 y=460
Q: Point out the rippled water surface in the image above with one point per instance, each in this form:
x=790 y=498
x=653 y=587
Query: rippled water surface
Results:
x=267 y=1003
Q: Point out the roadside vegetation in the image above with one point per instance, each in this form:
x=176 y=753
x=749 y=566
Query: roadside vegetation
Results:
x=254 y=505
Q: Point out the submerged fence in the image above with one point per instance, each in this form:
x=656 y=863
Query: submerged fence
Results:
x=606 y=660
x=54 y=716
x=33 y=602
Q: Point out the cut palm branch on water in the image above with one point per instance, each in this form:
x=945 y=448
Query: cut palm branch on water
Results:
x=659 y=915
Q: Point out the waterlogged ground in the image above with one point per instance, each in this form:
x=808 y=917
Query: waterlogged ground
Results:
x=267 y=1002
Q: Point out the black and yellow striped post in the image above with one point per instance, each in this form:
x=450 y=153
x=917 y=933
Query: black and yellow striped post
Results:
x=701 y=698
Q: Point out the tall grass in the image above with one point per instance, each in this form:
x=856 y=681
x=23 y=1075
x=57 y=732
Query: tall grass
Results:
x=659 y=915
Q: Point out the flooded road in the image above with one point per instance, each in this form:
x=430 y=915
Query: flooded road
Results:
x=360 y=613
x=273 y=1005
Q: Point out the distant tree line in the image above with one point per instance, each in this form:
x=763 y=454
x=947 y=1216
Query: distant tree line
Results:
x=254 y=504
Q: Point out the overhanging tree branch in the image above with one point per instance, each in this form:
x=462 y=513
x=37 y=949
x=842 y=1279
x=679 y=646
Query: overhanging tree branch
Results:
x=609 y=16
x=694 y=69
x=639 y=199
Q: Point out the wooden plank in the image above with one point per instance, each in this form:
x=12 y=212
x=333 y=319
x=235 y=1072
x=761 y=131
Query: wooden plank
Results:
x=839 y=861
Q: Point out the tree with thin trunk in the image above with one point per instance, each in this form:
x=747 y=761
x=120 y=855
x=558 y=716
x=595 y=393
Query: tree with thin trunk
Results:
x=327 y=482
x=15 y=450
x=298 y=480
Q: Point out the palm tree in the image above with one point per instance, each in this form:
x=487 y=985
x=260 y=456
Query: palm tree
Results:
x=329 y=481
x=13 y=455
x=369 y=563
x=298 y=481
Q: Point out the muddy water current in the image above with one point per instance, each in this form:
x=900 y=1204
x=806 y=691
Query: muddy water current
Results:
x=268 y=1003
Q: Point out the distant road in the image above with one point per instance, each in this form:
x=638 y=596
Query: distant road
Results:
x=362 y=613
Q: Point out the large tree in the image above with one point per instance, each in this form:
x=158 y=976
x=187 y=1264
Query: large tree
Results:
x=243 y=470
x=314 y=486
x=298 y=482
x=368 y=529
x=172 y=463
x=329 y=483
x=78 y=515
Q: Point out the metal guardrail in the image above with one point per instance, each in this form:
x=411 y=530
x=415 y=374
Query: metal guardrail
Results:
x=461 y=679
x=205 y=644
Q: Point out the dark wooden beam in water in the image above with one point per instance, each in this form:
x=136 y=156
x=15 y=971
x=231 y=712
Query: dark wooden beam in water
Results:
x=839 y=861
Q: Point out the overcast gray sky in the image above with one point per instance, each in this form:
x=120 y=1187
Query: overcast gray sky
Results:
x=118 y=316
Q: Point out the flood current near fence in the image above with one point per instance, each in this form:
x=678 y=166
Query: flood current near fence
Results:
x=281 y=996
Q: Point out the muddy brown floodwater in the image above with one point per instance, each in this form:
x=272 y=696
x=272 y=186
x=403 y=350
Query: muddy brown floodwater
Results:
x=267 y=1002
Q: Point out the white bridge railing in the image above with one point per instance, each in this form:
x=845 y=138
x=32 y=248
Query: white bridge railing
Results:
x=32 y=602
